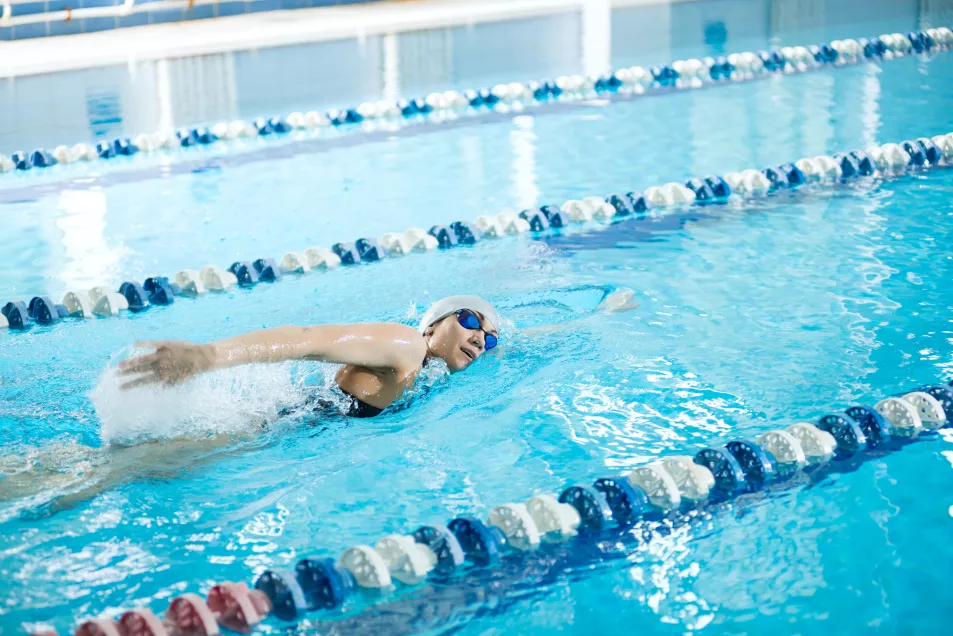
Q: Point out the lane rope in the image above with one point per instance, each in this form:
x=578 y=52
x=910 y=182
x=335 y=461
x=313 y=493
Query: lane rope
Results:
x=438 y=106
x=667 y=489
x=888 y=161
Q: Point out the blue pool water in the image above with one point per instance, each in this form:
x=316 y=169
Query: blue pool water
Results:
x=750 y=318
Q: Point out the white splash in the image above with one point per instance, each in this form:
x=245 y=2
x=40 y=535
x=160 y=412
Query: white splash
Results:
x=228 y=401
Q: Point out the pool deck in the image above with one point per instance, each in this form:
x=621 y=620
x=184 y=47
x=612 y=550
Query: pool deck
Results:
x=268 y=29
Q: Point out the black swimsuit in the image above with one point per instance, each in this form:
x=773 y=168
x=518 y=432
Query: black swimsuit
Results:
x=325 y=406
x=359 y=408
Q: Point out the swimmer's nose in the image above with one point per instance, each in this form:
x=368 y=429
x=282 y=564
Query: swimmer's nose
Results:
x=477 y=340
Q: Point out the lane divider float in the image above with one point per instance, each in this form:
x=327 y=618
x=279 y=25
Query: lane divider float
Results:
x=667 y=488
x=887 y=161
x=629 y=81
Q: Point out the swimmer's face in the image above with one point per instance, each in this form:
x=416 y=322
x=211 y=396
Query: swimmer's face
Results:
x=456 y=345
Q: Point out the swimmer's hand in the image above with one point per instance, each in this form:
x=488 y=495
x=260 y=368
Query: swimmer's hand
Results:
x=173 y=362
x=622 y=299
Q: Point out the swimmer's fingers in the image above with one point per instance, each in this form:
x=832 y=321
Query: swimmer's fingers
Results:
x=140 y=364
x=143 y=381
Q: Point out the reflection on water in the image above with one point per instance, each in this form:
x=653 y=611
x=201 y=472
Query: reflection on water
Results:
x=47 y=110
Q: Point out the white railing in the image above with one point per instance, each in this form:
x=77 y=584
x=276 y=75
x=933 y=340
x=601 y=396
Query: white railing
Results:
x=129 y=7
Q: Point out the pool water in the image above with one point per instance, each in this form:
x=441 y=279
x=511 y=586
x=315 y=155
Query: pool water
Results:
x=751 y=318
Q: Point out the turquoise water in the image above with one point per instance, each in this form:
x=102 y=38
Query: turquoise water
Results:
x=750 y=318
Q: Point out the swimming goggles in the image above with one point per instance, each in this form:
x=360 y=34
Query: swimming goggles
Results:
x=469 y=320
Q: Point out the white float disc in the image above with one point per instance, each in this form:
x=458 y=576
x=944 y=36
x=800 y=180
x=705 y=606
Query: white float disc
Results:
x=928 y=408
x=902 y=414
x=692 y=484
x=658 y=484
x=556 y=521
x=817 y=445
x=517 y=524
x=367 y=566
x=785 y=448
x=405 y=559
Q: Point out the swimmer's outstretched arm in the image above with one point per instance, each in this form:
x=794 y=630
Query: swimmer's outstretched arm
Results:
x=383 y=347
x=622 y=299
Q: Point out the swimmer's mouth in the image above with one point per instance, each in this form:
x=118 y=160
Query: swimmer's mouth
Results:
x=468 y=353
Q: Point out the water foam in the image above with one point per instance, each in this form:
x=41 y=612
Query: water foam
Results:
x=225 y=402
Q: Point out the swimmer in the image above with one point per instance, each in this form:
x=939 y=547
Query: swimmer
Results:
x=379 y=360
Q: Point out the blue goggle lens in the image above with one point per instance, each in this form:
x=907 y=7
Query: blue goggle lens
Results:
x=469 y=320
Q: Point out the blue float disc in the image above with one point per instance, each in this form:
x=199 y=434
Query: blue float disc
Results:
x=719 y=186
x=728 y=474
x=17 y=314
x=865 y=165
x=850 y=438
x=701 y=189
x=794 y=175
x=43 y=311
x=626 y=501
x=268 y=271
x=876 y=428
x=777 y=177
x=445 y=238
x=244 y=272
x=442 y=543
x=759 y=466
x=286 y=595
x=622 y=204
x=536 y=219
x=917 y=158
x=466 y=233
x=943 y=395
x=594 y=510
x=479 y=543
x=323 y=584
x=135 y=295
x=637 y=201
x=345 y=252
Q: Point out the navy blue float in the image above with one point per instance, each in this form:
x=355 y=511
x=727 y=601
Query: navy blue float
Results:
x=267 y=270
x=917 y=156
x=160 y=290
x=638 y=202
x=105 y=150
x=627 y=502
x=621 y=203
x=323 y=584
x=536 y=219
x=44 y=312
x=347 y=253
x=757 y=464
x=21 y=161
x=444 y=544
x=245 y=272
x=135 y=295
x=481 y=544
x=368 y=250
x=703 y=192
x=42 y=159
x=876 y=428
x=846 y=431
x=594 y=511
x=865 y=165
x=287 y=597
x=17 y=315
x=466 y=233
x=445 y=238
x=728 y=474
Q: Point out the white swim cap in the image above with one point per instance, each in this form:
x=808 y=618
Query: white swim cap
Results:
x=451 y=304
